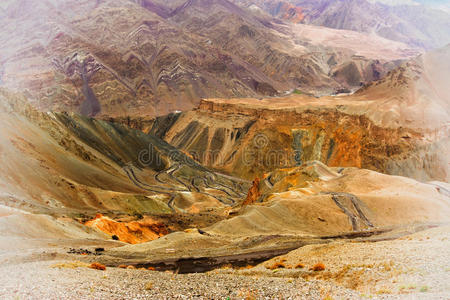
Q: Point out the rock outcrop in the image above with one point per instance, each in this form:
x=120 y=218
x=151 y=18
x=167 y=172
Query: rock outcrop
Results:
x=133 y=232
x=253 y=193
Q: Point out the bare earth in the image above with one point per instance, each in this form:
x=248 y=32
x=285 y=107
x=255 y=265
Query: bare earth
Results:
x=412 y=267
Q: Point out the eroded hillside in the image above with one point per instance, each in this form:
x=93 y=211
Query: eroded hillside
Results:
x=66 y=165
x=398 y=125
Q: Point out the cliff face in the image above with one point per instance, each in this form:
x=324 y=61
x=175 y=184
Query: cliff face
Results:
x=259 y=140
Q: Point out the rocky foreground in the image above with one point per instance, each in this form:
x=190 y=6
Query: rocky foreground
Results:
x=412 y=267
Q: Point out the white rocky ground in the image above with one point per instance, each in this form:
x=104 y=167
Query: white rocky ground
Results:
x=412 y=267
x=39 y=280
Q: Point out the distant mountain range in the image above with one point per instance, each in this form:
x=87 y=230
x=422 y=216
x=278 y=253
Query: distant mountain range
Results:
x=439 y=4
x=118 y=58
x=424 y=24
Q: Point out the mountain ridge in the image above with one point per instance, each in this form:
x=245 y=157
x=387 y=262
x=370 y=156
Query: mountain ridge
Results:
x=114 y=58
x=419 y=25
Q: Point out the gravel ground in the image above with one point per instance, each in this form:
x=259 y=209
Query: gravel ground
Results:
x=40 y=280
x=413 y=267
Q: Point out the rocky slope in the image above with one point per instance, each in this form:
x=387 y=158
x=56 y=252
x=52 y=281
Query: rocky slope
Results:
x=60 y=170
x=297 y=206
x=232 y=184
x=73 y=167
x=147 y=58
x=398 y=125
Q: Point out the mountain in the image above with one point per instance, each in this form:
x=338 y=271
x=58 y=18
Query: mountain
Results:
x=63 y=167
x=70 y=166
x=417 y=25
x=397 y=125
x=307 y=205
x=269 y=142
x=120 y=58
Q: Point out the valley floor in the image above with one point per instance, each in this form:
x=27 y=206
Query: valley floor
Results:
x=412 y=267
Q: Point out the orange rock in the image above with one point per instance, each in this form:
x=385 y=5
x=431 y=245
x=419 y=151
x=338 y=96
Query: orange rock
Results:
x=97 y=266
x=246 y=267
x=134 y=232
x=253 y=193
x=122 y=266
x=291 y=13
